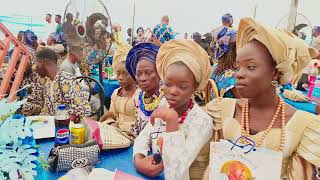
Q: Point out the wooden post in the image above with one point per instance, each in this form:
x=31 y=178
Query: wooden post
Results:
x=133 y=17
x=255 y=7
x=292 y=15
x=255 y=10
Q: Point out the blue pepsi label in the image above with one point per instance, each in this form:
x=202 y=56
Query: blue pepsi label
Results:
x=62 y=136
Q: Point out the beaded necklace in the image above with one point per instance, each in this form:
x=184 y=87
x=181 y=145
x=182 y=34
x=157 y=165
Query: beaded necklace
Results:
x=155 y=135
x=148 y=105
x=245 y=123
x=184 y=115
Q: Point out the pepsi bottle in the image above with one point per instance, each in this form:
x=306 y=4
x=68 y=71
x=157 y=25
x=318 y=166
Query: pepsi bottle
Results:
x=61 y=121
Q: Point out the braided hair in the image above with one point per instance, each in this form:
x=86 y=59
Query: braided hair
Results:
x=227 y=61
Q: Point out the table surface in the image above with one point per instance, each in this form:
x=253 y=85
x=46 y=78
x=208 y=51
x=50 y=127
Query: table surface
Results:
x=304 y=106
x=111 y=160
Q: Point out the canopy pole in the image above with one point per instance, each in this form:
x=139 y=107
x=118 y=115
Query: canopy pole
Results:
x=133 y=17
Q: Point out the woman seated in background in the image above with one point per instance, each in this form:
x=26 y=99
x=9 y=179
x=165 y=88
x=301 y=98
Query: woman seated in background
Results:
x=121 y=113
x=268 y=57
x=139 y=38
x=141 y=65
x=225 y=55
x=179 y=128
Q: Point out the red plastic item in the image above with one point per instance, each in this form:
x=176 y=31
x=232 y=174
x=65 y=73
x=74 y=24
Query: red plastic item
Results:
x=119 y=175
x=19 y=52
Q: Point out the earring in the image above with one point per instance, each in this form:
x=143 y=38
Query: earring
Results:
x=274 y=83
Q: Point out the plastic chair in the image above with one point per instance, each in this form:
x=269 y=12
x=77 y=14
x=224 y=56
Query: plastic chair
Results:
x=211 y=91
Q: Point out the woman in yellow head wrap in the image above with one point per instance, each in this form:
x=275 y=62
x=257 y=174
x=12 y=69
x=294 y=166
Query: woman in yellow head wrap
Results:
x=179 y=128
x=121 y=113
x=267 y=57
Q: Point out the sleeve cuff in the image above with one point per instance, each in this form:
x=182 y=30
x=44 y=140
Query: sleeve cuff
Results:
x=177 y=135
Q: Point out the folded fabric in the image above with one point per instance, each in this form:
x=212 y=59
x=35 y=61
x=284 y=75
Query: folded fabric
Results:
x=294 y=95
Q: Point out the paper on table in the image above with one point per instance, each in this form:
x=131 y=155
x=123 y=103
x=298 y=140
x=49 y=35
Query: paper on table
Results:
x=46 y=130
x=124 y=176
x=101 y=174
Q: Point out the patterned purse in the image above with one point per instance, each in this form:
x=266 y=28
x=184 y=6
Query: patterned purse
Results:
x=66 y=157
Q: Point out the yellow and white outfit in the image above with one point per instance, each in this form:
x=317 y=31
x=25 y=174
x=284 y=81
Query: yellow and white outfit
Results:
x=182 y=150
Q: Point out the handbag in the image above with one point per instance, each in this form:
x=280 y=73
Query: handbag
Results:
x=67 y=157
x=233 y=160
x=114 y=138
x=107 y=136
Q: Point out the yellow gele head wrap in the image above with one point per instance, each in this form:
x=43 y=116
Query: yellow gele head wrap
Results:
x=189 y=53
x=120 y=55
x=290 y=53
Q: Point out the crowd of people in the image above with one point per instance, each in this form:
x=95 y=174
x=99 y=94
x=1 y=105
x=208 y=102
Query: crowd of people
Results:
x=159 y=76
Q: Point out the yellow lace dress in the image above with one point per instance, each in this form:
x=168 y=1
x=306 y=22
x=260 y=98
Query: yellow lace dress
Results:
x=301 y=154
x=123 y=110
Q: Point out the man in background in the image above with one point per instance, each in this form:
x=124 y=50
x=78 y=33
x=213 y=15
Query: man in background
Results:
x=129 y=33
x=70 y=32
x=163 y=32
x=59 y=24
x=227 y=20
x=61 y=89
x=71 y=67
x=48 y=28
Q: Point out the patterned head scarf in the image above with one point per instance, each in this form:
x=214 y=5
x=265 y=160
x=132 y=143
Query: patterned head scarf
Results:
x=29 y=38
x=227 y=18
x=141 y=51
x=120 y=55
x=223 y=36
x=290 y=53
x=57 y=38
x=189 y=53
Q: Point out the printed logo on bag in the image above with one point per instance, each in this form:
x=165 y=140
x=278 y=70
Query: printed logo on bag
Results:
x=79 y=163
x=62 y=135
x=235 y=170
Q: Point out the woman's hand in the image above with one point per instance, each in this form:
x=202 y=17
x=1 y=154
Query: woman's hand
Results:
x=146 y=166
x=168 y=115
x=107 y=115
x=74 y=118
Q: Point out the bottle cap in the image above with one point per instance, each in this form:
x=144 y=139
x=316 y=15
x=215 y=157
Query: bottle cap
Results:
x=62 y=107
